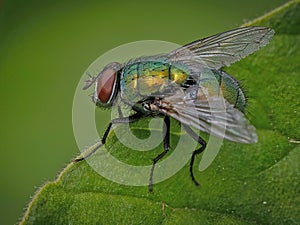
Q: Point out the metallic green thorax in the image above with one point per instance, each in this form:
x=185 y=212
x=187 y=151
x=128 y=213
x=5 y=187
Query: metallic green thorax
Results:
x=143 y=79
x=151 y=78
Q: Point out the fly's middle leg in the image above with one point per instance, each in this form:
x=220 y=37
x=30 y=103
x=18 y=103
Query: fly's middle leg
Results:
x=195 y=152
x=166 y=133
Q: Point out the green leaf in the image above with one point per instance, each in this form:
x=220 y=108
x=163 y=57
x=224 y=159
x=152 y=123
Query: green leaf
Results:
x=245 y=184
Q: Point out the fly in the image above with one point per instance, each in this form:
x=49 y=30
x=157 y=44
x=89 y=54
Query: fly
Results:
x=186 y=85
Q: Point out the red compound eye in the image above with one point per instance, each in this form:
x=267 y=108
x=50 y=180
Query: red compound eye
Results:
x=105 y=85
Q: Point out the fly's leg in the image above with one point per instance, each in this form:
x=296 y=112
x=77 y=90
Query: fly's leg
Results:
x=121 y=120
x=166 y=131
x=197 y=151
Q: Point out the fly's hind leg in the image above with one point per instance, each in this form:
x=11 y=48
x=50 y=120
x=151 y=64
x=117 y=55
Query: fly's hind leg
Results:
x=196 y=152
x=121 y=120
x=166 y=133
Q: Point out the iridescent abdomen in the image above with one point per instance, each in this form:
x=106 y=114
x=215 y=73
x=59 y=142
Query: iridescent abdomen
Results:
x=233 y=92
x=140 y=80
x=218 y=82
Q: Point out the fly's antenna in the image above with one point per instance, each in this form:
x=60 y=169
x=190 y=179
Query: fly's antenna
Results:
x=89 y=82
x=91 y=95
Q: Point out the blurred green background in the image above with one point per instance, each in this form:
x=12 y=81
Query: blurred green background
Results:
x=44 y=49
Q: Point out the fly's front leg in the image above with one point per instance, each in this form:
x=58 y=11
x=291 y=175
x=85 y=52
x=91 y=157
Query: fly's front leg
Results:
x=166 y=133
x=196 y=152
x=121 y=120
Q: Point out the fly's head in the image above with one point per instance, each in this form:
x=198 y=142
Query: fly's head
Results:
x=106 y=85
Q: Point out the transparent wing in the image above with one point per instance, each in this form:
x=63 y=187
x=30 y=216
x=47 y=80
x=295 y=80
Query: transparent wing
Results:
x=213 y=115
x=225 y=48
